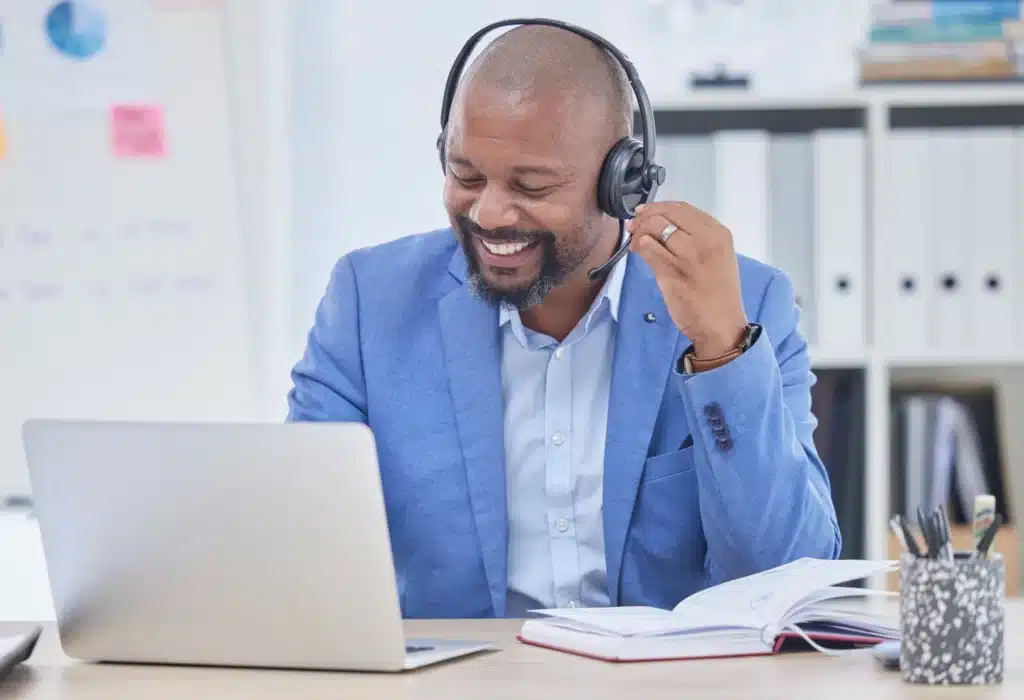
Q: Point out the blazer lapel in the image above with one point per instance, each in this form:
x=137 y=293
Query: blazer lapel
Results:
x=645 y=352
x=471 y=337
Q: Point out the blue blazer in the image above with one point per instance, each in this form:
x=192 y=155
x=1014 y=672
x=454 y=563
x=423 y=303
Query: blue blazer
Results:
x=706 y=477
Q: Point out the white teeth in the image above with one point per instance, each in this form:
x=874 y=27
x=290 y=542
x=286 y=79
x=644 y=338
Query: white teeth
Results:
x=505 y=248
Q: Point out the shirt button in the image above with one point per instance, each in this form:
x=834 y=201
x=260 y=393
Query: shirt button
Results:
x=562 y=524
x=558 y=354
x=558 y=438
x=573 y=604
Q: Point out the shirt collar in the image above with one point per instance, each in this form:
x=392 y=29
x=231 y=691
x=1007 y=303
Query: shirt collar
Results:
x=610 y=291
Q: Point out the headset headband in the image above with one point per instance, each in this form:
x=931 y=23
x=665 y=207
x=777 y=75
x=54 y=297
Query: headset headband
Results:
x=644 y=104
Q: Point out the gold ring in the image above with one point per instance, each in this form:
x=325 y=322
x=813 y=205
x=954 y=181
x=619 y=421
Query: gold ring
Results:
x=667 y=232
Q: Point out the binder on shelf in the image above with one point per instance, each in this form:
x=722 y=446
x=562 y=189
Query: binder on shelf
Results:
x=909 y=420
x=741 y=189
x=903 y=275
x=953 y=239
x=838 y=400
x=791 y=220
x=689 y=162
x=989 y=284
x=840 y=223
x=947 y=449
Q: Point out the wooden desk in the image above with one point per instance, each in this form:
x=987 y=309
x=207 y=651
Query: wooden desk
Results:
x=516 y=672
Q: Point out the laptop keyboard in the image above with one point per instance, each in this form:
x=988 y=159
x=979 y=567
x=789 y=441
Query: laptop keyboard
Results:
x=412 y=649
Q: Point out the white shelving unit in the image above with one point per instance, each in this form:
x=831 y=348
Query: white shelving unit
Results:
x=878 y=363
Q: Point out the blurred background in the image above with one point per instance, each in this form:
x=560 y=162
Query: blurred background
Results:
x=177 y=178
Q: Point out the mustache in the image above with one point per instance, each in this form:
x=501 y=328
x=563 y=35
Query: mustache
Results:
x=501 y=235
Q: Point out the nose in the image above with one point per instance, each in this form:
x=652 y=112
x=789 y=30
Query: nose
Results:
x=493 y=210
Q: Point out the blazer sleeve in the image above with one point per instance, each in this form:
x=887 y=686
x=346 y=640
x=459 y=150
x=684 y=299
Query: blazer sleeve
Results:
x=764 y=493
x=328 y=383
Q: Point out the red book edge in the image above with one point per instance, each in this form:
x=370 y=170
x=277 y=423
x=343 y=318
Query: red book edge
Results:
x=779 y=640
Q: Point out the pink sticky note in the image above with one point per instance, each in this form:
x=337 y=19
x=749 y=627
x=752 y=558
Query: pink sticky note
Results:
x=138 y=131
x=3 y=139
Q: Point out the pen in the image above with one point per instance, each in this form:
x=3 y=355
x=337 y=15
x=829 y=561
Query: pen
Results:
x=908 y=537
x=946 y=534
x=926 y=533
x=935 y=524
x=899 y=527
x=986 y=539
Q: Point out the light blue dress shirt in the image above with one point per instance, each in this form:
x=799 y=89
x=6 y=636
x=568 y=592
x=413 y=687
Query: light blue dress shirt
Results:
x=556 y=413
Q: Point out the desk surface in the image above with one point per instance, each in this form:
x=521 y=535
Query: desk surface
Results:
x=515 y=671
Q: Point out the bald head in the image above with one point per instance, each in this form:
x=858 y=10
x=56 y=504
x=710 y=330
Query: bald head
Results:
x=533 y=119
x=539 y=62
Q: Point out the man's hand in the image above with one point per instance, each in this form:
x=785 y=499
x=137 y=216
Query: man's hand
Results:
x=697 y=272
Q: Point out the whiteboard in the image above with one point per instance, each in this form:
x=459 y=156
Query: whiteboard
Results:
x=122 y=278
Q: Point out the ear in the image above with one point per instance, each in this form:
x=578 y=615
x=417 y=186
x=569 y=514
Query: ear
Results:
x=440 y=150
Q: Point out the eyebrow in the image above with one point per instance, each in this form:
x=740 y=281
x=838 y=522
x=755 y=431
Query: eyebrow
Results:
x=518 y=169
x=536 y=170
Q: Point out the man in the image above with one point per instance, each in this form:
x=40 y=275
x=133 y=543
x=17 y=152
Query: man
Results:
x=549 y=440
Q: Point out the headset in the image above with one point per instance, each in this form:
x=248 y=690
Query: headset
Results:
x=629 y=175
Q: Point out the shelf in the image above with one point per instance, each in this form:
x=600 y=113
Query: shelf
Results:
x=950 y=94
x=946 y=95
x=837 y=358
x=729 y=99
x=953 y=359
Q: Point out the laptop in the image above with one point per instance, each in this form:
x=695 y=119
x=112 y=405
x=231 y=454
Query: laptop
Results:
x=249 y=545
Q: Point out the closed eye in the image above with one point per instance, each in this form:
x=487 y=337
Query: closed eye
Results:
x=467 y=181
x=534 y=191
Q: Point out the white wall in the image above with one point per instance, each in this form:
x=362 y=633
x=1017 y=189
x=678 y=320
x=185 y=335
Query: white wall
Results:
x=259 y=63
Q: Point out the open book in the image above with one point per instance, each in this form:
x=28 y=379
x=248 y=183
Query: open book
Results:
x=752 y=615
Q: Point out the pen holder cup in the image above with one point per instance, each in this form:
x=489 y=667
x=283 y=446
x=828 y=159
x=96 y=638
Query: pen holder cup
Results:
x=952 y=619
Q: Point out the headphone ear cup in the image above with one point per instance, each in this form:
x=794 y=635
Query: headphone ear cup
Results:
x=620 y=187
x=440 y=151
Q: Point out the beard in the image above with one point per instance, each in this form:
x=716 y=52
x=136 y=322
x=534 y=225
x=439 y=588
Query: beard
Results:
x=557 y=265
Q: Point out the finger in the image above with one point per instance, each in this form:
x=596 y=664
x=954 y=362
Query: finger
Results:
x=655 y=226
x=662 y=261
x=679 y=242
x=669 y=206
x=685 y=216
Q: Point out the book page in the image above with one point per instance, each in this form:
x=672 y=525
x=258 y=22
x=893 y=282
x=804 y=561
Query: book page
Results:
x=751 y=602
x=633 y=621
x=765 y=597
x=624 y=621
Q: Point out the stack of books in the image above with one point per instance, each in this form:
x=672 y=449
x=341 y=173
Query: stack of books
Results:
x=944 y=41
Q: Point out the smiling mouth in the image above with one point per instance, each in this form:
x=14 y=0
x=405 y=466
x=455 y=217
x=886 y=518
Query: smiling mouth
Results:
x=507 y=248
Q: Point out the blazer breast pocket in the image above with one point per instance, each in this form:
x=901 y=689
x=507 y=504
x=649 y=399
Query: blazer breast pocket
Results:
x=666 y=538
x=669 y=464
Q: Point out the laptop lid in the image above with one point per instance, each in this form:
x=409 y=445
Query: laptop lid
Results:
x=228 y=544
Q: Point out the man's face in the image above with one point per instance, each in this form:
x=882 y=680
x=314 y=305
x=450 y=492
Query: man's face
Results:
x=521 y=194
